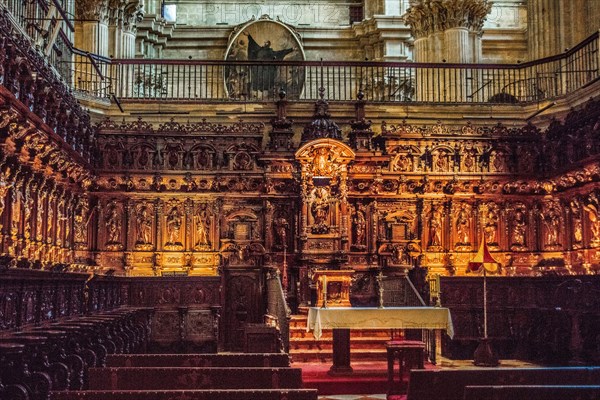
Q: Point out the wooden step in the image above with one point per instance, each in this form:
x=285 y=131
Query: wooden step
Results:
x=326 y=355
x=366 y=344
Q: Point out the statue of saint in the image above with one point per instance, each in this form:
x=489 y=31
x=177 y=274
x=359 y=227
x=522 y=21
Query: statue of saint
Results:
x=435 y=227
x=518 y=230
x=173 y=226
x=281 y=227
x=463 y=224
x=551 y=221
x=202 y=226
x=144 y=226
x=360 y=225
x=320 y=206
x=491 y=227
x=113 y=225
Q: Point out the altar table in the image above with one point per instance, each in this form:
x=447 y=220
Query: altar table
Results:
x=342 y=319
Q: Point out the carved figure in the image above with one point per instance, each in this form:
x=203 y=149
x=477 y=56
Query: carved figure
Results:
x=202 y=225
x=322 y=162
x=577 y=224
x=491 y=227
x=144 y=226
x=5 y=185
x=463 y=224
x=360 y=225
x=593 y=212
x=281 y=227
x=518 y=229
x=113 y=224
x=551 y=220
x=320 y=206
x=435 y=227
x=173 y=226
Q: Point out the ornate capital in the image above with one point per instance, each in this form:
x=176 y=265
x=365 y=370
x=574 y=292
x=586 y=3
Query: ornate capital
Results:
x=92 y=10
x=431 y=16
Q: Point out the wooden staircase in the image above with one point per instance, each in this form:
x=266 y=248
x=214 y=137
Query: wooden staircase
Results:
x=366 y=344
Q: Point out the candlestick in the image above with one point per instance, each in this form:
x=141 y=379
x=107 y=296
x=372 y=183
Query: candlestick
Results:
x=324 y=305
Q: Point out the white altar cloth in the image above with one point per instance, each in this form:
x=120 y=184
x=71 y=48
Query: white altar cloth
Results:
x=378 y=318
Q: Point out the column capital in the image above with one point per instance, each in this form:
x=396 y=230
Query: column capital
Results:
x=92 y=10
x=426 y=17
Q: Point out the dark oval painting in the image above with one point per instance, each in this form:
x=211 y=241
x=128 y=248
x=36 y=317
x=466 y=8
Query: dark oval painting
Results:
x=264 y=44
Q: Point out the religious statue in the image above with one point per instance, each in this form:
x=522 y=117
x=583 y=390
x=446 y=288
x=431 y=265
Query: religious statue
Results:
x=551 y=220
x=518 y=228
x=463 y=224
x=173 y=227
x=360 y=225
x=81 y=221
x=202 y=230
x=490 y=228
x=144 y=226
x=322 y=162
x=5 y=185
x=593 y=213
x=320 y=209
x=281 y=227
x=435 y=227
x=577 y=223
x=113 y=225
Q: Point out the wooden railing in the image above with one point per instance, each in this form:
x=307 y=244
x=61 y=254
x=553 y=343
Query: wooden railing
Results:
x=248 y=81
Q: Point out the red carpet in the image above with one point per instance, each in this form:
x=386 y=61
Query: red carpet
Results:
x=368 y=377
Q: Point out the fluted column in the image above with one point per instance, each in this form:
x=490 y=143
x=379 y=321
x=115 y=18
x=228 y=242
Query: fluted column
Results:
x=446 y=31
x=556 y=25
x=92 y=29
x=545 y=32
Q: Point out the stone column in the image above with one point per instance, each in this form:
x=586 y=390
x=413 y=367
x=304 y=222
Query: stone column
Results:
x=93 y=26
x=452 y=33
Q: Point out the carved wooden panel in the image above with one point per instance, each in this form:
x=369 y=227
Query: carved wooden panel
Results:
x=243 y=304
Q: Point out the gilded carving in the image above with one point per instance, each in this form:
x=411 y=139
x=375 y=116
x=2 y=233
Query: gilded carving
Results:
x=490 y=223
x=202 y=221
x=173 y=225
x=319 y=208
x=551 y=216
x=435 y=227
x=113 y=223
x=144 y=220
x=592 y=207
x=463 y=226
x=359 y=224
x=519 y=227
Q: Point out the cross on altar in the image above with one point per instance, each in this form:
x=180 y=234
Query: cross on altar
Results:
x=379 y=279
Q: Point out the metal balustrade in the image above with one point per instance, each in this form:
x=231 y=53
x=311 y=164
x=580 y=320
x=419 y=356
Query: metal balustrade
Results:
x=386 y=82
x=247 y=81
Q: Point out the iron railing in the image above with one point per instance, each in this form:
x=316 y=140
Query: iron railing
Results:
x=252 y=81
x=247 y=81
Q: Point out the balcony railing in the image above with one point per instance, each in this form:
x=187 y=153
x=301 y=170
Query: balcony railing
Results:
x=220 y=81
